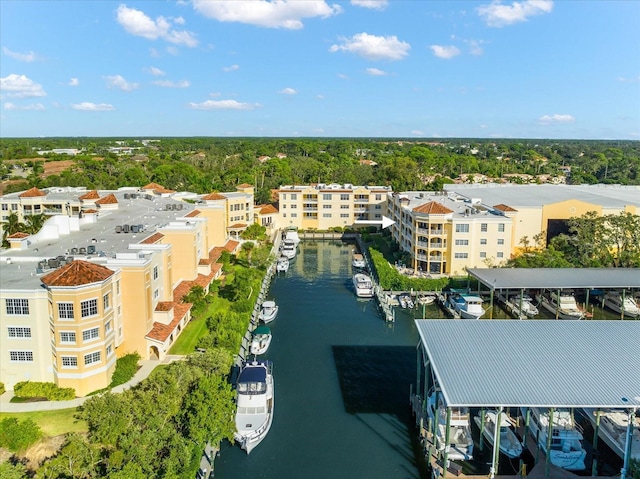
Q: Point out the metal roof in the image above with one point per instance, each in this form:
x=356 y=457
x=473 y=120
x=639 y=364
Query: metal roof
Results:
x=549 y=278
x=544 y=363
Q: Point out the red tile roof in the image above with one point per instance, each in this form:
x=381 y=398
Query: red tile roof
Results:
x=231 y=245
x=244 y=185
x=503 y=207
x=90 y=195
x=237 y=226
x=153 y=186
x=433 y=208
x=110 y=199
x=153 y=239
x=165 y=306
x=160 y=331
x=213 y=197
x=77 y=273
x=267 y=209
x=90 y=211
x=18 y=235
x=32 y=193
x=215 y=253
x=192 y=214
x=215 y=267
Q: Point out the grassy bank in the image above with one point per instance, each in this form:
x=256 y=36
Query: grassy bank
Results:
x=52 y=423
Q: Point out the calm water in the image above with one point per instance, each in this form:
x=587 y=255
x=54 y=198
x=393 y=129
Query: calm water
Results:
x=342 y=379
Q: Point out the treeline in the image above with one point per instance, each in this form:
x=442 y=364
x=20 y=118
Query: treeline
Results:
x=203 y=165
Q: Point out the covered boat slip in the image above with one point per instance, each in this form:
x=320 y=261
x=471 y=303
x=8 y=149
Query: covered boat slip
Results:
x=541 y=363
x=521 y=279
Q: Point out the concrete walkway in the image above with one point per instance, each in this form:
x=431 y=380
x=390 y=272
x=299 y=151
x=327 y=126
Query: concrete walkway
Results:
x=146 y=367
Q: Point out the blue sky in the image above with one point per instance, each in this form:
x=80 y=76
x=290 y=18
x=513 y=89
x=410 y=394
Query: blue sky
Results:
x=304 y=68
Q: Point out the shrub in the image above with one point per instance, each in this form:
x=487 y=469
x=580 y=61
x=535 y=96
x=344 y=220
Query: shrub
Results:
x=18 y=435
x=49 y=391
x=2 y=389
x=126 y=368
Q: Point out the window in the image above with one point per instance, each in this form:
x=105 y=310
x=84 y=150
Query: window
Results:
x=294 y=196
x=22 y=356
x=326 y=196
x=155 y=272
x=92 y=358
x=67 y=337
x=500 y=241
x=461 y=255
x=89 y=334
x=284 y=196
x=326 y=215
x=500 y=254
x=483 y=227
x=19 y=332
x=462 y=228
x=378 y=207
x=65 y=310
x=378 y=197
x=500 y=227
x=284 y=215
x=326 y=207
x=69 y=362
x=156 y=293
x=483 y=240
x=483 y=254
x=293 y=207
x=462 y=242
x=109 y=350
x=344 y=207
x=106 y=304
x=107 y=327
x=118 y=287
x=295 y=215
x=89 y=308
x=14 y=206
x=17 y=306
x=284 y=206
x=343 y=197
x=5 y=207
x=344 y=215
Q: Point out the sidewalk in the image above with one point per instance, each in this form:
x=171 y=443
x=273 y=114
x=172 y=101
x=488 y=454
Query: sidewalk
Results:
x=146 y=367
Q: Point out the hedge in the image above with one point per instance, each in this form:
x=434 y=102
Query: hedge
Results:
x=49 y=391
x=126 y=368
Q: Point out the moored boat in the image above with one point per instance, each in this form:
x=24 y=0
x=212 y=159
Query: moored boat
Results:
x=363 y=285
x=260 y=340
x=563 y=304
x=566 y=439
x=520 y=306
x=288 y=249
x=357 y=261
x=255 y=403
x=268 y=311
x=613 y=430
x=508 y=442
x=467 y=306
x=627 y=306
x=460 y=441
x=282 y=264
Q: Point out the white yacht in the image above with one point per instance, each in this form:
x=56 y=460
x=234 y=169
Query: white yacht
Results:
x=260 y=340
x=288 y=249
x=357 y=261
x=467 y=306
x=521 y=307
x=613 y=430
x=255 y=402
x=460 y=444
x=508 y=443
x=564 y=304
x=292 y=235
x=268 y=311
x=613 y=300
x=566 y=440
x=282 y=264
x=363 y=285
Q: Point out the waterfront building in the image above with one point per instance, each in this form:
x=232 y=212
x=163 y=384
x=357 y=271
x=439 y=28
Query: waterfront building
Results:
x=106 y=276
x=325 y=206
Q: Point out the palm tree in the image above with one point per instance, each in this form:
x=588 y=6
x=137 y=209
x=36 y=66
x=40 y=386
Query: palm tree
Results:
x=11 y=226
x=34 y=223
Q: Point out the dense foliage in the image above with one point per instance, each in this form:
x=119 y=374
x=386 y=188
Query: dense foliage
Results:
x=126 y=368
x=49 y=391
x=18 y=435
x=390 y=278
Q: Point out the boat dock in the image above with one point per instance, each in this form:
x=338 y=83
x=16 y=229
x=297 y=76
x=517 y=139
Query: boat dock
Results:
x=444 y=304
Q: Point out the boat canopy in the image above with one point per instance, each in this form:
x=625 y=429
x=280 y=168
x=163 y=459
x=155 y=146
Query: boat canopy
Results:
x=261 y=330
x=269 y=304
x=253 y=379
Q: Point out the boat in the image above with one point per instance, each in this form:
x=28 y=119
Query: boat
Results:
x=255 y=403
x=406 y=301
x=508 y=442
x=613 y=430
x=426 y=299
x=627 y=306
x=260 y=340
x=282 y=264
x=460 y=444
x=363 y=285
x=288 y=249
x=292 y=235
x=467 y=305
x=268 y=311
x=566 y=440
x=521 y=307
x=563 y=304
x=357 y=261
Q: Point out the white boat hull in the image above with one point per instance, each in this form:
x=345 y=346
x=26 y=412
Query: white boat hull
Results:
x=613 y=430
x=363 y=286
x=629 y=308
x=509 y=444
x=562 y=313
x=254 y=416
x=459 y=447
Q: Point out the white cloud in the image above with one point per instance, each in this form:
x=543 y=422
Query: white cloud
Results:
x=374 y=4
x=374 y=47
x=171 y=50
x=23 y=57
x=223 y=105
x=629 y=80
x=475 y=47
x=288 y=91
x=117 y=81
x=19 y=86
x=74 y=82
x=231 y=68
x=556 y=118
x=33 y=106
x=88 y=106
x=376 y=72
x=156 y=72
x=137 y=23
x=271 y=14
x=172 y=84
x=342 y=76
x=445 y=51
x=417 y=133
x=496 y=14
x=179 y=21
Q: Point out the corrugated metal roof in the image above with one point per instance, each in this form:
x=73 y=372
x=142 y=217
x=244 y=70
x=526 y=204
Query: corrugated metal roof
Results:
x=546 y=363
x=550 y=278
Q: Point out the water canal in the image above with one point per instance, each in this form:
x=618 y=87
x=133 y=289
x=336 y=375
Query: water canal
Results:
x=342 y=379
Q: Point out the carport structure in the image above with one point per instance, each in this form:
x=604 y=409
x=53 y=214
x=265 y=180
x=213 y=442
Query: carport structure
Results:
x=521 y=279
x=545 y=364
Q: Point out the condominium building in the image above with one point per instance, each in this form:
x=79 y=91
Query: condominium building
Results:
x=324 y=206
x=106 y=275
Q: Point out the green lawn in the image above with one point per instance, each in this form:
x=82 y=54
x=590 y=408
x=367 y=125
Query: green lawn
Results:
x=197 y=327
x=52 y=423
